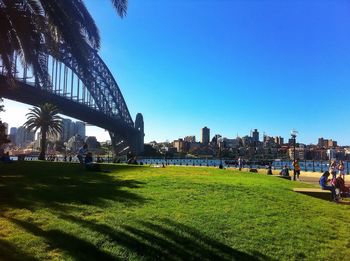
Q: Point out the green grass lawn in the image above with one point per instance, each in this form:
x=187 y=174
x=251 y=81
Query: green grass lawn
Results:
x=60 y=211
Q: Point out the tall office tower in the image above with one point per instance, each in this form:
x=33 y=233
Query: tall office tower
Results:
x=80 y=129
x=6 y=128
x=13 y=131
x=205 y=135
x=12 y=135
x=255 y=135
x=67 y=130
x=23 y=137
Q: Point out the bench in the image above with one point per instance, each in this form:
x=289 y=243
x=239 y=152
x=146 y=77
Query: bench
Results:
x=314 y=192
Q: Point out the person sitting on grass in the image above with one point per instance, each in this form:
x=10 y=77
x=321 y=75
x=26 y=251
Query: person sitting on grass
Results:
x=82 y=152
x=285 y=171
x=90 y=165
x=324 y=185
x=339 y=185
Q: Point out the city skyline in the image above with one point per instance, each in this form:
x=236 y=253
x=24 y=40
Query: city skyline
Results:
x=231 y=66
x=255 y=133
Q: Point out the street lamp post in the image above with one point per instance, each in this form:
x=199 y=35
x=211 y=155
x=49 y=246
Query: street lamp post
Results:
x=294 y=134
x=220 y=165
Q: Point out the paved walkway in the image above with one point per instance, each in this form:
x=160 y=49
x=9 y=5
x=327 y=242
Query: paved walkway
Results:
x=305 y=176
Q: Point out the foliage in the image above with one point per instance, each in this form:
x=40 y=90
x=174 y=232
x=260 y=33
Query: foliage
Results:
x=46 y=119
x=31 y=29
x=149 y=151
x=60 y=211
x=3 y=136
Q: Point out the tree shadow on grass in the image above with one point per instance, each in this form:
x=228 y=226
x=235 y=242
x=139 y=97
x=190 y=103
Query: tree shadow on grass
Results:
x=75 y=247
x=52 y=186
x=167 y=240
x=10 y=252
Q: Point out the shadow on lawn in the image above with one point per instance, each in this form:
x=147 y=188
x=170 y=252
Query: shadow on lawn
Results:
x=167 y=240
x=50 y=187
x=9 y=252
x=72 y=245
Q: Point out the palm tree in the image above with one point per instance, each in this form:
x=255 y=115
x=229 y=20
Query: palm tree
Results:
x=33 y=28
x=46 y=119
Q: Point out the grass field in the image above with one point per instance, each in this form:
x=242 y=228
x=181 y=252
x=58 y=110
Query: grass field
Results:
x=60 y=211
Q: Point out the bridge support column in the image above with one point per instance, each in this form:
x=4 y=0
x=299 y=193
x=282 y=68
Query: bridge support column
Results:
x=119 y=144
x=131 y=142
x=138 y=139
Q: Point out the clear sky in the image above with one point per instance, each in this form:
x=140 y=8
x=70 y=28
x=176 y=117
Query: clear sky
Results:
x=229 y=65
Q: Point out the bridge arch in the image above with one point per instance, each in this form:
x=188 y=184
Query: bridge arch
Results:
x=105 y=106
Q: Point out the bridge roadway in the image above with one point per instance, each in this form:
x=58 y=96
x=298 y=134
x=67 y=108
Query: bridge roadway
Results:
x=29 y=94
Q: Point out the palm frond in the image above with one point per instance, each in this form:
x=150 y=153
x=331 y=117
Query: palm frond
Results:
x=121 y=7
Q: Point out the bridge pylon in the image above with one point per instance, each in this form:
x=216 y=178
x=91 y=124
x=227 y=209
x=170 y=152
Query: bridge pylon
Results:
x=132 y=142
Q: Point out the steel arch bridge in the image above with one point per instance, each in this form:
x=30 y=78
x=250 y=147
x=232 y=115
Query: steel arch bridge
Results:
x=94 y=98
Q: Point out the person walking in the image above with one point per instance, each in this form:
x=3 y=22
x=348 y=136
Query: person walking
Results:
x=341 y=169
x=269 y=169
x=296 y=171
x=240 y=163
x=333 y=169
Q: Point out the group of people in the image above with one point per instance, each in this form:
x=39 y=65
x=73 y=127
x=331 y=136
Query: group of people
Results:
x=296 y=170
x=335 y=168
x=335 y=184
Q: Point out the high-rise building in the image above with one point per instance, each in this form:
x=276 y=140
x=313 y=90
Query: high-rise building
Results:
x=71 y=128
x=6 y=128
x=80 y=129
x=67 y=129
x=205 y=135
x=255 y=135
x=12 y=135
x=13 y=131
x=24 y=137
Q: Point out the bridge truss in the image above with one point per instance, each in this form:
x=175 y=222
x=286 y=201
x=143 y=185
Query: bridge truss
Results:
x=94 y=97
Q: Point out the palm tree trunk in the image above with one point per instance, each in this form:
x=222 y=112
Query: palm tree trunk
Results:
x=43 y=144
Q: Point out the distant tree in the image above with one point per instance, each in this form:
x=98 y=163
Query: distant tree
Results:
x=3 y=136
x=46 y=119
x=149 y=151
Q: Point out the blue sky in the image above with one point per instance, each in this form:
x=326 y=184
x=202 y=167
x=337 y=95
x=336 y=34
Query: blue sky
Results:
x=231 y=65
